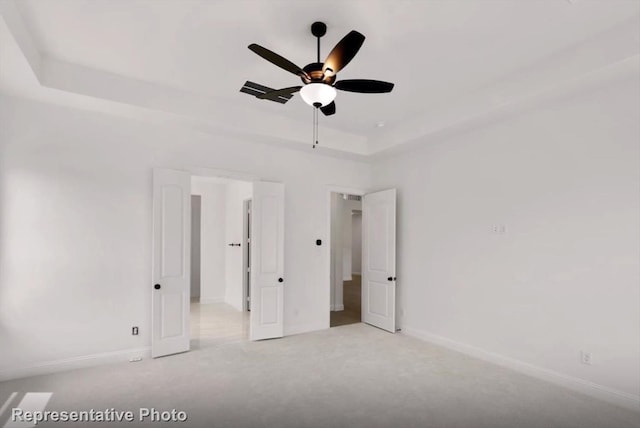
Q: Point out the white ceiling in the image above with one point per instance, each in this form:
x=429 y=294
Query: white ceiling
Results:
x=438 y=53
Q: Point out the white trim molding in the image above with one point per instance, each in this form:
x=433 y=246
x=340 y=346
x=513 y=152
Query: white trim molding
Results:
x=591 y=389
x=73 y=363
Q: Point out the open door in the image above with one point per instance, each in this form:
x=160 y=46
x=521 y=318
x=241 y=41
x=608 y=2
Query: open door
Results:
x=379 y=259
x=267 y=261
x=171 y=262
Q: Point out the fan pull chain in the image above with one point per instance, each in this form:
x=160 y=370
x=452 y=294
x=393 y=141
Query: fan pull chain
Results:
x=315 y=127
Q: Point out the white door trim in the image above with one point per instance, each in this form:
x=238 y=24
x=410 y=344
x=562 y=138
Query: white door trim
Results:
x=206 y=173
x=246 y=260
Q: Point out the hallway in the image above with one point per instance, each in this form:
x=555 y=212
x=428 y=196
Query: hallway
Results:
x=216 y=323
x=352 y=304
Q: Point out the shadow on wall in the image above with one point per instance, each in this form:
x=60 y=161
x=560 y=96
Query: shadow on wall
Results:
x=11 y=341
x=3 y=207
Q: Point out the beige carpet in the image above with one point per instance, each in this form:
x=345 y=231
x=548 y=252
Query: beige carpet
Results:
x=351 y=376
x=352 y=304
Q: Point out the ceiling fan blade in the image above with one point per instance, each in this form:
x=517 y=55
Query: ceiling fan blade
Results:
x=329 y=109
x=343 y=52
x=277 y=59
x=364 y=86
x=279 y=92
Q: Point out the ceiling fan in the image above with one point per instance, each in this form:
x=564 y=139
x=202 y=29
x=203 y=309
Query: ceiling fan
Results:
x=318 y=78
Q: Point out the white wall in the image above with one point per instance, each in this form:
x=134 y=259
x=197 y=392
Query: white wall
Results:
x=356 y=239
x=212 y=238
x=236 y=193
x=75 y=226
x=564 y=179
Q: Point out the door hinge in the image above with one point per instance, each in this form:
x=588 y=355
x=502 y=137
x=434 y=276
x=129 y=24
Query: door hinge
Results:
x=248 y=269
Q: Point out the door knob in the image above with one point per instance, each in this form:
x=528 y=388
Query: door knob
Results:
x=280 y=280
x=157 y=286
x=390 y=279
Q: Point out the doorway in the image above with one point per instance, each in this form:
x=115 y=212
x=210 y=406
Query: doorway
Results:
x=346 y=259
x=218 y=274
x=220 y=247
x=377 y=279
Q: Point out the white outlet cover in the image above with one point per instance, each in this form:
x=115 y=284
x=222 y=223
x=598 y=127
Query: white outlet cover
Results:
x=586 y=358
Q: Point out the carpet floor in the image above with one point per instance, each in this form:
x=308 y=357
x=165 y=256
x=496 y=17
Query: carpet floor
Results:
x=350 y=376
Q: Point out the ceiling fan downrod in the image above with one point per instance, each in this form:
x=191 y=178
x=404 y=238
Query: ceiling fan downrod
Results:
x=318 y=29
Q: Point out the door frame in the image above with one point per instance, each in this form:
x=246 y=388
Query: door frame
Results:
x=326 y=272
x=193 y=172
x=246 y=248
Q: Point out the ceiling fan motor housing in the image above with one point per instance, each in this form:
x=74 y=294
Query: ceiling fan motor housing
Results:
x=316 y=74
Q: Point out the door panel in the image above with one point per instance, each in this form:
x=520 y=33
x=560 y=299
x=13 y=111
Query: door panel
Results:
x=379 y=259
x=267 y=261
x=172 y=323
x=270 y=306
x=172 y=220
x=378 y=298
x=171 y=239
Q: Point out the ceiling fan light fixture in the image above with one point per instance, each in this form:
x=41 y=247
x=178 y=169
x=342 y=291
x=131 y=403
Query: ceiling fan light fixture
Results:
x=318 y=93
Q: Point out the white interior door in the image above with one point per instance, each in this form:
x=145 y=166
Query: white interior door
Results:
x=267 y=261
x=379 y=259
x=171 y=263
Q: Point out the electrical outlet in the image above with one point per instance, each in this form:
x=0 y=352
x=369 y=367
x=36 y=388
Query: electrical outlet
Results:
x=134 y=331
x=499 y=229
x=585 y=357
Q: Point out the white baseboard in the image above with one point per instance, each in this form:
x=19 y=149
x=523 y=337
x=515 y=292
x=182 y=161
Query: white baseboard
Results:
x=601 y=392
x=211 y=300
x=48 y=367
x=336 y=308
